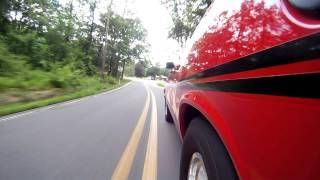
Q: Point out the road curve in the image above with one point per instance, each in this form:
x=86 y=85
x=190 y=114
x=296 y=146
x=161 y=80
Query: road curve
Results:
x=86 y=138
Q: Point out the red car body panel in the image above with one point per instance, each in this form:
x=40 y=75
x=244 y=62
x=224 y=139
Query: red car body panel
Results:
x=267 y=136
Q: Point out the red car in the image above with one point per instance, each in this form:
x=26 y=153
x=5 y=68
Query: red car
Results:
x=246 y=100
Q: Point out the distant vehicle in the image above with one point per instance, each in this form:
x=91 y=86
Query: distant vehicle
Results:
x=246 y=101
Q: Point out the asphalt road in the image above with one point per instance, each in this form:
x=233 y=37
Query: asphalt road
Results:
x=113 y=135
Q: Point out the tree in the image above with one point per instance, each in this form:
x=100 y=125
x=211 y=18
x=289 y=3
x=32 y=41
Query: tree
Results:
x=92 y=26
x=139 y=70
x=46 y=35
x=164 y=71
x=129 y=70
x=126 y=42
x=105 y=41
x=153 y=71
x=186 y=15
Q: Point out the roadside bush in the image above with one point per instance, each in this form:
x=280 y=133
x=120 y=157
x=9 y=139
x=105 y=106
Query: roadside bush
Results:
x=7 y=82
x=10 y=63
x=32 y=80
x=65 y=76
x=90 y=82
x=111 y=80
x=36 y=80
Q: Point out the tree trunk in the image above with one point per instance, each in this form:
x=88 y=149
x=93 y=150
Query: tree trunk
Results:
x=115 y=69
x=104 y=49
x=111 y=65
x=208 y=2
x=68 y=34
x=123 y=66
x=92 y=12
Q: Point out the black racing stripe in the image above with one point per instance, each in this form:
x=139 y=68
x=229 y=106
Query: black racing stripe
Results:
x=300 y=85
x=295 y=51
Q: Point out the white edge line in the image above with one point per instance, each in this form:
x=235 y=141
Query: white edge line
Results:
x=16 y=116
x=28 y=112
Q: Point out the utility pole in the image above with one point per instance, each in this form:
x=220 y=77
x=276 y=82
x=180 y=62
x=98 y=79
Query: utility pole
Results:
x=105 y=43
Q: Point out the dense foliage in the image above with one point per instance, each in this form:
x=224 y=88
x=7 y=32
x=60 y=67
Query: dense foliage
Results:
x=44 y=44
x=186 y=15
x=146 y=69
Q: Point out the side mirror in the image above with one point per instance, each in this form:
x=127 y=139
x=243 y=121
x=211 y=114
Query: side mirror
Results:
x=307 y=7
x=177 y=67
x=169 y=65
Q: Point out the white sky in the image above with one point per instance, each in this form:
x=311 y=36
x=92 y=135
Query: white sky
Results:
x=156 y=20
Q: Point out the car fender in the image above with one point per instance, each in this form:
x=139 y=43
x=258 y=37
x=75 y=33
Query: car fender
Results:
x=198 y=100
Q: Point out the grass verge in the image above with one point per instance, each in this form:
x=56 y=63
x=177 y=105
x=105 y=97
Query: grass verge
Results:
x=161 y=84
x=22 y=106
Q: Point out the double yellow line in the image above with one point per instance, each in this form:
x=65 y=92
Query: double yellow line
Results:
x=150 y=164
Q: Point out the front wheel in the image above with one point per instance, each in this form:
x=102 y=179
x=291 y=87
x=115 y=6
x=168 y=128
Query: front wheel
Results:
x=204 y=156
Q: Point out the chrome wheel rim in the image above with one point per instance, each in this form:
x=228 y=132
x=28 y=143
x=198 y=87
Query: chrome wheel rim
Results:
x=197 y=170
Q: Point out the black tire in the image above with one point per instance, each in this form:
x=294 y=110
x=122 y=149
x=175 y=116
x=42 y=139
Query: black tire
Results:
x=201 y=138
x=167 y=113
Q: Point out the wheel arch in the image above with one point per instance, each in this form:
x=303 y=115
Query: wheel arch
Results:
x=188 y=110
x=186 y=115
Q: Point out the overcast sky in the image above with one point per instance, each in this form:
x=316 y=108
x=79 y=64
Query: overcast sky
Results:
x=156 y=20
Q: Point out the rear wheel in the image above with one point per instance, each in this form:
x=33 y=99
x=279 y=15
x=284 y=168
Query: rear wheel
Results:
x=204 y=155
x=167 y=113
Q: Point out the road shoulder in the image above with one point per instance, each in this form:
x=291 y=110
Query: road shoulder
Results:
x=19 y=109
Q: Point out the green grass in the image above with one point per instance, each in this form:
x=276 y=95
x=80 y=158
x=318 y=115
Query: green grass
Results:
x=22 y=106
x=161 y=84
